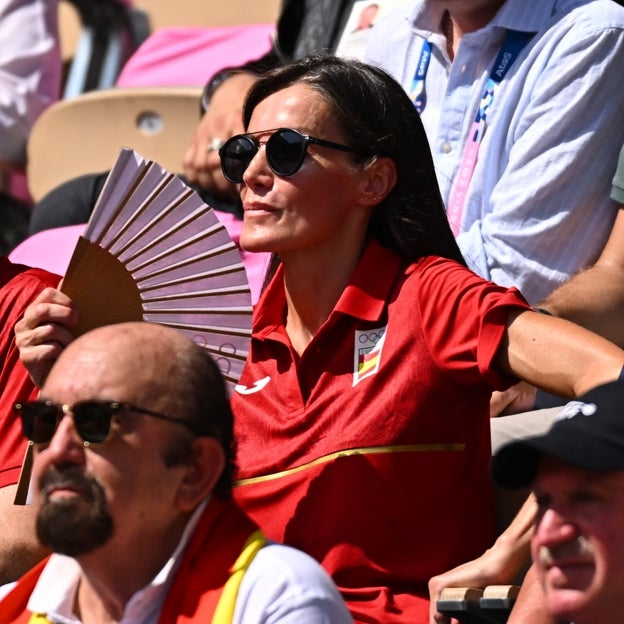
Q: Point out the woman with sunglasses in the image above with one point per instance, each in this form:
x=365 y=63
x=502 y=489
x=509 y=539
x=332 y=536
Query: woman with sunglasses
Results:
x=362 y=414
x=362 y=418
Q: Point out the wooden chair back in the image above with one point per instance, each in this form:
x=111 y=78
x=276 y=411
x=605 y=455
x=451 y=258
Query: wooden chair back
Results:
x=164 y=13
x=84 y=135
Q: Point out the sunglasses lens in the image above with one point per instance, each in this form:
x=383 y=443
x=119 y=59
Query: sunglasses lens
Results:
x=286 y=151
x=236 y=155
x=38 y=421
x=93 y=420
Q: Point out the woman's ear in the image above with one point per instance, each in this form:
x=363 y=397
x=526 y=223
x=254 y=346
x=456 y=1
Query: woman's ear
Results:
x=201 y=473
x=378 y=179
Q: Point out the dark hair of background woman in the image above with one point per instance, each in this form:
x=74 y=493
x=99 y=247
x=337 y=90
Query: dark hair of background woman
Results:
x=378 y=119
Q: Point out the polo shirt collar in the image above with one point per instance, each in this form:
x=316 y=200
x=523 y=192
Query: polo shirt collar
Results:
x=269 y=311
x=364 y=296
x=370 y=285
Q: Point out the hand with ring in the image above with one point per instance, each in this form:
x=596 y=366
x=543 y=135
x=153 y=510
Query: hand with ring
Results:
x=215 y=145
x=222 y=119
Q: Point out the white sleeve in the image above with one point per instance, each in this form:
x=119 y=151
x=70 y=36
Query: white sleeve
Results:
x=286 y=586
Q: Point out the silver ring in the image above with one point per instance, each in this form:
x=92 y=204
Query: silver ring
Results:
x=215 y=145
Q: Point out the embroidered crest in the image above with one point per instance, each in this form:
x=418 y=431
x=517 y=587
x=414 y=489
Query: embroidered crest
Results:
x=367 y=353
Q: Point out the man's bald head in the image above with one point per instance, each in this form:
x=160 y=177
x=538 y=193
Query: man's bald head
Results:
x=154 y=366
x=151 y=355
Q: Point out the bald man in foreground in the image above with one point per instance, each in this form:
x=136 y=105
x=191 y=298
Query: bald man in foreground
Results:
x=133 y=464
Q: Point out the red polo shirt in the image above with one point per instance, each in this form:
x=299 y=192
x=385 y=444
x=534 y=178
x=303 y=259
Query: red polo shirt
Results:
x=18 y=287
x=370 y=451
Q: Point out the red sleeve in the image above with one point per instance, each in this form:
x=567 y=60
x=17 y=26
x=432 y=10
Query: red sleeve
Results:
x=18 y=287
x=464 y=318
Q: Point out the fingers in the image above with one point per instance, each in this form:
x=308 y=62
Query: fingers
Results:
x=50 y=305
x=435 y=617
x=44 y=342
x=201 y=161
x=222 y=120
x=518 y=398
x=201 y=165
x=500 y=400
x=436 y=585
x=44 y=331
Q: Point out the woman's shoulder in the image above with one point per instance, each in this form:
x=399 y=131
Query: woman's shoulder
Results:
x=438 y=265
x=434 y=275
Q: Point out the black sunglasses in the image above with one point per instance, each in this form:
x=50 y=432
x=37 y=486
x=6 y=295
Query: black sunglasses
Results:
x=285 y=152
x=92 y=419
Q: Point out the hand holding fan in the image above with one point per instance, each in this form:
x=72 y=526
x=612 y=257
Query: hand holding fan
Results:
x=153 y=251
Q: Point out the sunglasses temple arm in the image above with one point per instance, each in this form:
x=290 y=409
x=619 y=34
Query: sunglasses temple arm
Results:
x=23 y=483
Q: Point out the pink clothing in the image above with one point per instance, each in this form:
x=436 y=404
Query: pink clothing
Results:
x=52 y=250
x=190 y=56
x=19 y=285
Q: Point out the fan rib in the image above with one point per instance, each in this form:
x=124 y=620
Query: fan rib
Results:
x=216 y=228
x=227 y=290
x=221 y=331
x=136 y=213
x=135 y=182
x=235 y=310
x=232 y=269
x=162 y=212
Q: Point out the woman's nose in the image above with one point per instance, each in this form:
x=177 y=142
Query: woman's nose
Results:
x=258 y=170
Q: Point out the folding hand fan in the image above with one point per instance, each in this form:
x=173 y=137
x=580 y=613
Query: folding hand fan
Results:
x=153 y=251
